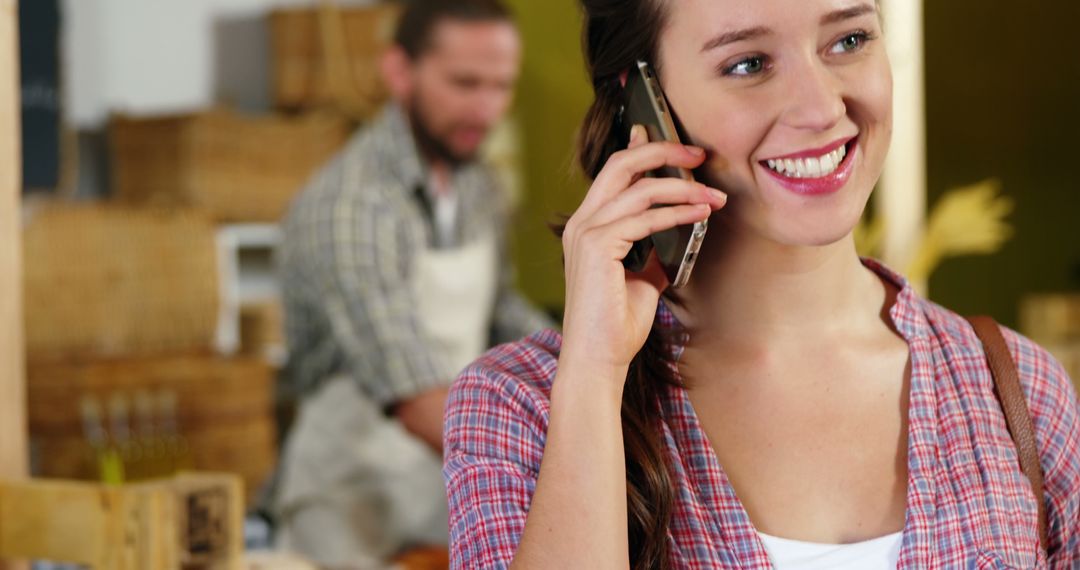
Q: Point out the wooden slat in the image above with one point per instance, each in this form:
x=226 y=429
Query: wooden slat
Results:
x=13 y=451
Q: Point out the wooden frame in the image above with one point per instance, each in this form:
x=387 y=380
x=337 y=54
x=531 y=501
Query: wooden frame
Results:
x=13 y=446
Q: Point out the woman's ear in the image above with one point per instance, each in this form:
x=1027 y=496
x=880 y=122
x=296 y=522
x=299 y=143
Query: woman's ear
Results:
x=397 y=72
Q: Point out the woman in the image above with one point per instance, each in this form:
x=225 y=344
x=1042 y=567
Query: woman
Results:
x=793 y=404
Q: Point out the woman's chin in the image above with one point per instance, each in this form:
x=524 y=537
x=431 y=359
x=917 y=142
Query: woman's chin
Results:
x=812 y=235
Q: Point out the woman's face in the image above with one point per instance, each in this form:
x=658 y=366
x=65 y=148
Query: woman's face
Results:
x=798 y=86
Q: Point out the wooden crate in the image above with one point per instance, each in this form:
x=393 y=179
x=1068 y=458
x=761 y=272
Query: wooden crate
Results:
x=235 y=167
x=1051 y=317
x=194 y=520
x=328 y=57
x=103 y=280
x=224 y=411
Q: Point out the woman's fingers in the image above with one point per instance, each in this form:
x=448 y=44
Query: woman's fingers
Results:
x=650 y=192
x=615 y=239
x=638 y=136
x=627 y=166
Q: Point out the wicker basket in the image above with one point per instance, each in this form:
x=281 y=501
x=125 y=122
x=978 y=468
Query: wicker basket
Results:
x=328 y=57
x=224 y=410
x=116 y=281
x=235 y=167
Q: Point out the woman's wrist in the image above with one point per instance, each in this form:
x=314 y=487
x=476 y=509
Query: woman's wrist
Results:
x=581 y=373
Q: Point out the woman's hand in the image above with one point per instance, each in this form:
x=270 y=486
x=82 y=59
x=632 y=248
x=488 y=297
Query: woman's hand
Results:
x=610 y=310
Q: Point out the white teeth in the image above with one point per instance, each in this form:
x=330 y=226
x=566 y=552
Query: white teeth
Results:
x=809 y=167
x=828 y=162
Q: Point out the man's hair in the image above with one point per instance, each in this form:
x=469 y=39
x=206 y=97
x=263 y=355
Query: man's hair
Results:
x=420 y=17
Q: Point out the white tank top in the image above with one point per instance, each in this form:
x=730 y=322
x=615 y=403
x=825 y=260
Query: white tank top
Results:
x=879 y=553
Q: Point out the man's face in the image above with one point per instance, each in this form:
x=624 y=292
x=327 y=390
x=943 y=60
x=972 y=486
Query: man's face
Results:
x=462 y=86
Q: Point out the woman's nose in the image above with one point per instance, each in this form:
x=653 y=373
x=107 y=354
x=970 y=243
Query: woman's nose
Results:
x=816 y=99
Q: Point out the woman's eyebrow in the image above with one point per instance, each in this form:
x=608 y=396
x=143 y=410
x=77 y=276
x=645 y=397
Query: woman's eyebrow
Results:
x=758 y=31
x=848 y=13
x=735 y=36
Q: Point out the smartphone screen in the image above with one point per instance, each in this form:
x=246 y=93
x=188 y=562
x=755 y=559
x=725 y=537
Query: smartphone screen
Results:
x=676 y=248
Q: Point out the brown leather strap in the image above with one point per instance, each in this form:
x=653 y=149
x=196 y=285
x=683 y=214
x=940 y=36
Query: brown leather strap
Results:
x=1011 y=395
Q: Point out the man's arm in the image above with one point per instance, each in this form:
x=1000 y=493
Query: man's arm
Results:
x=422 y=415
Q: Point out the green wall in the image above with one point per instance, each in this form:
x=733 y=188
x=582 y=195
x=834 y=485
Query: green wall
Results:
x=1003 y=100
x=553 y=96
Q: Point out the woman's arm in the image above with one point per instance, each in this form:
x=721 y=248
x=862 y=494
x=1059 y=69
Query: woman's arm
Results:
x=578 y=514
x=577 y=518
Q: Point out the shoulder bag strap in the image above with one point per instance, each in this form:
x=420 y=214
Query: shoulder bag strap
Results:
x=1011 y=395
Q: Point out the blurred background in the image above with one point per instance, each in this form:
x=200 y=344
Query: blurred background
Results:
x=163 y=139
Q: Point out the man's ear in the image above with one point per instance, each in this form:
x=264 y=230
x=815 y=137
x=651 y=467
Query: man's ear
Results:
x=396 y=68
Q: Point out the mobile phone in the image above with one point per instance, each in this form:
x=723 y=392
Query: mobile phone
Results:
x=676 y=248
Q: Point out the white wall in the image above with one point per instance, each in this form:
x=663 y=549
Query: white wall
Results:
x=157 y=56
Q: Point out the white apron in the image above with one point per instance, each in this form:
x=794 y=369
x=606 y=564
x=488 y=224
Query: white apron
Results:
x=455 y=290
x=356 y=487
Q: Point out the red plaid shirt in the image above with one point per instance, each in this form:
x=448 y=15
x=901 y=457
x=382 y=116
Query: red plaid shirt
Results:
x=968 y=503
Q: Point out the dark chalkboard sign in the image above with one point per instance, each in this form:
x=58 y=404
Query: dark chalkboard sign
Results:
x=39 y=25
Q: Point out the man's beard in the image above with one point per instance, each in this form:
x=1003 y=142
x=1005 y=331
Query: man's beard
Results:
x=431 y=145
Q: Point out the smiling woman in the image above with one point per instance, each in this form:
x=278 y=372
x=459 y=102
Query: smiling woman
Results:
x=794 y=405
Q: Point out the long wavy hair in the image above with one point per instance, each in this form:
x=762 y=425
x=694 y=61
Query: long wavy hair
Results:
x=616 y=33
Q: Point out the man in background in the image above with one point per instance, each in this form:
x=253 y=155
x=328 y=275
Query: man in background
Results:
x=396 y=275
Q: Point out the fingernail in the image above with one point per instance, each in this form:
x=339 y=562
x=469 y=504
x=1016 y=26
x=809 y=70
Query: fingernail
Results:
x=717 y=194
x=635 y=133
x=694 y=150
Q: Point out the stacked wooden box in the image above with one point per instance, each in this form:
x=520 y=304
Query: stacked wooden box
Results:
x=120 y=308
x=242 y=170
x=245 y=168
x=234 y=167
x=1053 y=321
x=125 y=301
x=328 y=57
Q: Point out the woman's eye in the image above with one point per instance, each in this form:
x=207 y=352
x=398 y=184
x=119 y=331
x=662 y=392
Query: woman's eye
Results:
x=851 y=42
x=748 y=66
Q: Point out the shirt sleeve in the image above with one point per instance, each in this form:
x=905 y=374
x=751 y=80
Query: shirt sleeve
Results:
x=1055 y=412
x=493 y=443
x=363 y=262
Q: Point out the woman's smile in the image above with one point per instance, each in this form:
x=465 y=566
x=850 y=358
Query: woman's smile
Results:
x=815 y=172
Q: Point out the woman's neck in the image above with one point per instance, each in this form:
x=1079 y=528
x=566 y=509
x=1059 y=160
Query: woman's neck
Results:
x=764 y=293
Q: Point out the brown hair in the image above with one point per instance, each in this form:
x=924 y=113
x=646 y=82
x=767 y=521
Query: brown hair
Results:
x=616 y=33
x=420 y=17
